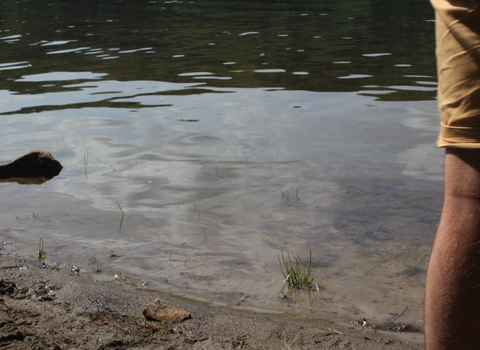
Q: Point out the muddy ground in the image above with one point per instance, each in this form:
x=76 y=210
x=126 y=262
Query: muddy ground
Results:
x=52 y=307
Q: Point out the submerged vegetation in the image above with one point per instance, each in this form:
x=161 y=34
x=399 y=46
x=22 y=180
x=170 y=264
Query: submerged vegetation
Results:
x=296 y=274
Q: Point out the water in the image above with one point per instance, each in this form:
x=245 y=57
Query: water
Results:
x=228 y=132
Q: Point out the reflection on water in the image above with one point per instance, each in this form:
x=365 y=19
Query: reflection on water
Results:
x=227 y=132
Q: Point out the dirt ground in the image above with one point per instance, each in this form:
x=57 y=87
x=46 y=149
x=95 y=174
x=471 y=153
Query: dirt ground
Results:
x=46 y=307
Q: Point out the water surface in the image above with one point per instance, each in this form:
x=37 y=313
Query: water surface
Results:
x=228 y=132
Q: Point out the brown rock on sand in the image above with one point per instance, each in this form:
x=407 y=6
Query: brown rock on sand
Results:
x=163 y=312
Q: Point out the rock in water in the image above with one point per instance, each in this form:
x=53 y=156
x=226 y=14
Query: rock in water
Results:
x=33 y=164
x=163 y=312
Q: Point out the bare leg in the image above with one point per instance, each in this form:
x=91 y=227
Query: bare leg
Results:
x=452 y=298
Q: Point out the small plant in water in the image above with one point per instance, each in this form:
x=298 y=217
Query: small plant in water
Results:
x=297 y=275
x=41 y=253
x=123 y=215
x=120 y=277
x=90 y=257
x=85 y=160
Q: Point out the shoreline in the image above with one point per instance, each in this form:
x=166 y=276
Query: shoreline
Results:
x=49 y=307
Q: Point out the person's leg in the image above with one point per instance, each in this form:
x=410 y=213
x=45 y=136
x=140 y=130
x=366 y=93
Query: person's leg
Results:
x=452 y=298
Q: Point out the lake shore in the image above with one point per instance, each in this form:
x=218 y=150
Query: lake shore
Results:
x=54 y=307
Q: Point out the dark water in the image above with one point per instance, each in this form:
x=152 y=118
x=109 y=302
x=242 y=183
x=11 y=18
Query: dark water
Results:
x=233 y=40
x=229 y=131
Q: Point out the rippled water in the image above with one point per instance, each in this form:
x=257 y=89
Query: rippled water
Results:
x=228 y=132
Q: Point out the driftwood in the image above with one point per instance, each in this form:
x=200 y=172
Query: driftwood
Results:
x=34 y=167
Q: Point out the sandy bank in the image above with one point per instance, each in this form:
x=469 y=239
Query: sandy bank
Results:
x=46 y=307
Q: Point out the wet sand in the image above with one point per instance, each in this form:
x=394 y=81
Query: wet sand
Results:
x=46 y=306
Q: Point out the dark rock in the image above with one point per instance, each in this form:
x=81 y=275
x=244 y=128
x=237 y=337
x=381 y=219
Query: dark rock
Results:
x=39 y=166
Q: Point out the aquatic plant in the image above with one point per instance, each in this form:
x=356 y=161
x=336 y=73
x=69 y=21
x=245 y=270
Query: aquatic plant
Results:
x=297 y=275
x=85 y=160
x=331 y=331
x=120 y=277
x=41 y=252
x=90 y=257
x=204 y=234
x=196 y=208
x=123 y=215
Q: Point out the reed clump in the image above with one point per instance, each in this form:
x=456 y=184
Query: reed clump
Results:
x=296 y=274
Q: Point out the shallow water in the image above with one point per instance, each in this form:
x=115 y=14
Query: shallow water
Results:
x=228 y=132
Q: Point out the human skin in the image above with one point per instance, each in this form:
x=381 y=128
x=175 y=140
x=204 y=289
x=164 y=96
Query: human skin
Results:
x=452 y=296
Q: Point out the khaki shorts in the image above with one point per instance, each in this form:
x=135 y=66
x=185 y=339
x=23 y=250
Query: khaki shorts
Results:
x=458 y=65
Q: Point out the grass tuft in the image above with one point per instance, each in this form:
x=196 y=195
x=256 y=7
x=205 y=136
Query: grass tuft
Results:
x=41 y=252
x=297 y=275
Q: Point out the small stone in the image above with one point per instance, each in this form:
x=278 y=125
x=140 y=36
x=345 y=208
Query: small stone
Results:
x=163 y=312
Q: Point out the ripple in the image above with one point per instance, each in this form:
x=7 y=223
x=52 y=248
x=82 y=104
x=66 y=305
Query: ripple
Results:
x=52 y=43
x=412 y=88
x=12 y=66
x=61 y=76
x=403 y=65
x=12 y=63
x=355 y=76
x=419 y=76
x=342 y=62
x=18 y=36
x=376 y=54
x=300 y=73
x=427 y=83
x=39 y=42
x=269 y=71
x=67 y=51
x=210 y=77
x=137 y=50
x=247 y=33
x=375 y=92
x=193 y=74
